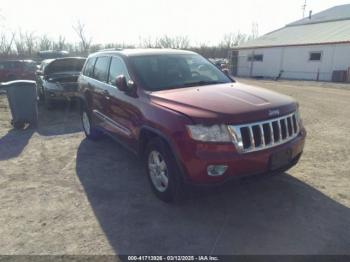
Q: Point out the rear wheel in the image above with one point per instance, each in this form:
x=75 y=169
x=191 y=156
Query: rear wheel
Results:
x=163 y=172
x=18 y=124
x=89 y=129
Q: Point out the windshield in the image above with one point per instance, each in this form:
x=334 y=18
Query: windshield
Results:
x=162 y=72
x=64 y=65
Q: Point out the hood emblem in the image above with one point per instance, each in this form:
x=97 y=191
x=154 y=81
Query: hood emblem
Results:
x=274 y=112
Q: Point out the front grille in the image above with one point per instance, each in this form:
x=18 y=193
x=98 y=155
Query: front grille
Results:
x=70 y=87
x=265 y=134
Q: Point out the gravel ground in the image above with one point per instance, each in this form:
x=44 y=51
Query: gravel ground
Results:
x=61 y=194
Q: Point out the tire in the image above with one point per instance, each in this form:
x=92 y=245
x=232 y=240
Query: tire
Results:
x=173 y=190
x=18 y=124
x=91 y=132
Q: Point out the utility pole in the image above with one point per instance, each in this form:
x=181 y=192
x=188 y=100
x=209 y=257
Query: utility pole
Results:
x=255 y=30
x=303 y=7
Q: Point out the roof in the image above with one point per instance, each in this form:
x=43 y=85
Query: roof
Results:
x=145 y=51
x=17 y=60
x=340 y=12
x=329 y=26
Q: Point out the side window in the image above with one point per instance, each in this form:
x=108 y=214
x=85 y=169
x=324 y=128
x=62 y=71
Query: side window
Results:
x=315 y=56
x=101 y=68
x=259 y=58
x=89 y=67
x=30 y=66
x=117 y=68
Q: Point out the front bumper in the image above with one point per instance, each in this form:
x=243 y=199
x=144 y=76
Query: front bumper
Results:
x=60 y=95
x=197 y=157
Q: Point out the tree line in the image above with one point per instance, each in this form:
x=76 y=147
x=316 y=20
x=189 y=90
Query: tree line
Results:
x=26 y=45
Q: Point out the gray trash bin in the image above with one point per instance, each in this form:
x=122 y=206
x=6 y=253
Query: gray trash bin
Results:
x=22 y=98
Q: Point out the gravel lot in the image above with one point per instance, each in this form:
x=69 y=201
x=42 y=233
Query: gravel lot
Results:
x=62 y=194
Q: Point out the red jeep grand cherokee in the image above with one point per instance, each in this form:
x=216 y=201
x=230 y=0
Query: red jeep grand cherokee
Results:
x=190 y=121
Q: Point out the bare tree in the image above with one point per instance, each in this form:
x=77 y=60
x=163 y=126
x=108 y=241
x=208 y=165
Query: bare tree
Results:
x=147 y=42
x=6 y=43
x=20 y=44
x=30 y=43
x=61 y=45
x=45 y=43
x=85 y=41
x=231 y=40
x=176 y=42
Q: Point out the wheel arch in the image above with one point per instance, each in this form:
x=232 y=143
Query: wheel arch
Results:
x=147 y=134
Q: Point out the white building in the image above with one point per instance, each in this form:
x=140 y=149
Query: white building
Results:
x=312 y=48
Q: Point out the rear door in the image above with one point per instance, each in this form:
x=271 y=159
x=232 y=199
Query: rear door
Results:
x=99 y=90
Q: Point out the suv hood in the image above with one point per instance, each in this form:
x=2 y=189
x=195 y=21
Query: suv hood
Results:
x=231 y=103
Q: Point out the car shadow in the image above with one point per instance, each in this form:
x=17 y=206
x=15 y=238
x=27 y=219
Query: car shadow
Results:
x=63 y=119
x=260 y=215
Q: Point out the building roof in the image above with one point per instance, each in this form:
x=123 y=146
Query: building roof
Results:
x=329 y=26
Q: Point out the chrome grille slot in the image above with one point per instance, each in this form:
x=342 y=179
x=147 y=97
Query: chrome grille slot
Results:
x=257 y=135
x=283 y=128
x=265 y=134
x=276 y=129
x=289 y=126
x=245 y=137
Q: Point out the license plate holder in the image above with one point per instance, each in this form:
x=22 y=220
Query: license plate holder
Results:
x=280 y=159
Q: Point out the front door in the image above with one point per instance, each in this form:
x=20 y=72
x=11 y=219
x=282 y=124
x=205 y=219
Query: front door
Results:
x=123 y=112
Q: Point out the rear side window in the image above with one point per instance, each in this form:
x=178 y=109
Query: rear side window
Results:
x=89 y=67
x=117 y=68
x=9 y=65
x=101 y=68
x=30 y=66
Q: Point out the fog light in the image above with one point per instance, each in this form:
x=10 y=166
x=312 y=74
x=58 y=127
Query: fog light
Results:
x=216 y=170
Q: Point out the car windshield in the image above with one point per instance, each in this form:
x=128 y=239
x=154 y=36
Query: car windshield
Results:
x=162 y=72
x=64 y=65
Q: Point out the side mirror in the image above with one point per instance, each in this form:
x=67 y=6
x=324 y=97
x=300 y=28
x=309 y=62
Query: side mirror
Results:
x=121 y=84
x=124 y=85
x=226 y=71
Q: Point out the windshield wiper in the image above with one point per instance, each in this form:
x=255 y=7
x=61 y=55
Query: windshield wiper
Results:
x=202 y=83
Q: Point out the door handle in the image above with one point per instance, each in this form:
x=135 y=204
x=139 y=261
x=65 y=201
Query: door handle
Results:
x=106 y=93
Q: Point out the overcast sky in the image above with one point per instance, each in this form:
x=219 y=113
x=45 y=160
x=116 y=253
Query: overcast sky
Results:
x=128 y=20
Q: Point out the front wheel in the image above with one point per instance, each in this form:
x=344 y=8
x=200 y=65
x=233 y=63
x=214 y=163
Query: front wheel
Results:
x=163 y=172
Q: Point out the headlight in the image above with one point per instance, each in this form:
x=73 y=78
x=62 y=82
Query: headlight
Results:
x=298 y=118
x=215 y=133
x=54 y=86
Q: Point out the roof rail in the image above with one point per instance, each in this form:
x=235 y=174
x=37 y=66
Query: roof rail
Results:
x=110 y=49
